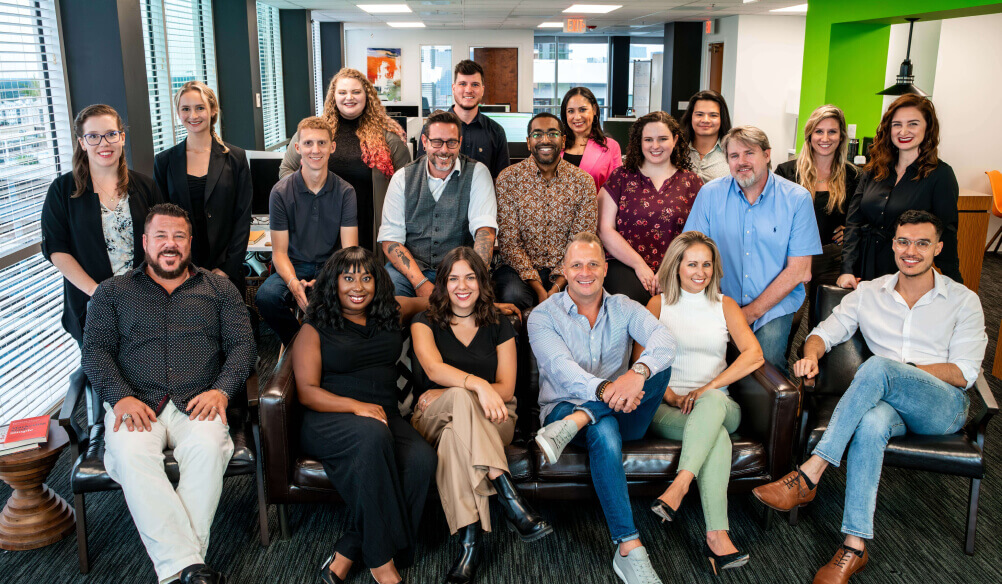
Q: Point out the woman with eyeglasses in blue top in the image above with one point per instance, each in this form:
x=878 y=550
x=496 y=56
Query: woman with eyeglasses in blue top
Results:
x=93 y=217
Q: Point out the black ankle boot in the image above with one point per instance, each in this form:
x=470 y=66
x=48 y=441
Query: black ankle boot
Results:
x=519 y=516
x=469 y=556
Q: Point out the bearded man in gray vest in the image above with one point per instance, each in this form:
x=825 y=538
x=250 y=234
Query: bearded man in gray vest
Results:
x=440 y=201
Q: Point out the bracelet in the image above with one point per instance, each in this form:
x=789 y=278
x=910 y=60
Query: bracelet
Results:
x=600 y=390
x=419 y=284
x=465 y=379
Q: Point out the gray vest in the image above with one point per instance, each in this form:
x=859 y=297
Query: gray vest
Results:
x=436 y=228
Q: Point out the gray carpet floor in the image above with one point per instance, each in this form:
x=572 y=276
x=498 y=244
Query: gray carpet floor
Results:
x=919 y=531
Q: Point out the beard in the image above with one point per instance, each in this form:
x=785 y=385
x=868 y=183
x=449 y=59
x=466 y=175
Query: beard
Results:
x=749 y=181
x=182 y=265
x=467 y=107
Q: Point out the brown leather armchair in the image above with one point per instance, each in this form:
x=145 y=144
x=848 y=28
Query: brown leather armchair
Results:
x=960 y=454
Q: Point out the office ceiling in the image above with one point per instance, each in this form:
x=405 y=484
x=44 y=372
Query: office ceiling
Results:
x=638 y=17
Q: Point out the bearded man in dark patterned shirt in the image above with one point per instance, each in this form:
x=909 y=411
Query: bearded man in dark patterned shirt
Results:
x=166 y=346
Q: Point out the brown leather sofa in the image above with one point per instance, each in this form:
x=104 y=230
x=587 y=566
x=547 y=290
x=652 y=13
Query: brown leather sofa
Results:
x=763 y=444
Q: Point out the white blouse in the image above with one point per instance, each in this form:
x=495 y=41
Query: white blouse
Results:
x=699 y=328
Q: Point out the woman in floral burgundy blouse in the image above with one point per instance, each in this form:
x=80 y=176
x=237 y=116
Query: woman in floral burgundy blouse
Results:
x=644 y=205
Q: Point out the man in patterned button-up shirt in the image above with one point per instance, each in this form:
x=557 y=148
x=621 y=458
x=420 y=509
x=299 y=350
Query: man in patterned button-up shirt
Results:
x=166 y=346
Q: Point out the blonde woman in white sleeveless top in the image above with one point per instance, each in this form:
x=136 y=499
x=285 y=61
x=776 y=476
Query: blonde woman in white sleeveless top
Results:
x=697 y=409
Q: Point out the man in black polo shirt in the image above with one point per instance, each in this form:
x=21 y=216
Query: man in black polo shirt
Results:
x=166 y=346
x=484 y=139
x=312 y=214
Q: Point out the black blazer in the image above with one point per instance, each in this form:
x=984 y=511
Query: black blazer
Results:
x=73 y=226
x=827 y=223
x=228 y=194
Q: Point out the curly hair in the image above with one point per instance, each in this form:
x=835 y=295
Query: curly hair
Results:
x=634 y=151
x=596 y=127
x=807 y=170
x=439 y=305
x=209 y=98
x=325 y=304
x=372 y=125
x=81 y=164
x=706 y=95
x=884 y=154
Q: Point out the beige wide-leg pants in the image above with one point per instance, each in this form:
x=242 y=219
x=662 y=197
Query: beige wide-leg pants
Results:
x=467 y=444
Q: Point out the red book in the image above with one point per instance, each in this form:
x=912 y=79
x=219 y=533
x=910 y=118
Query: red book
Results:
x=26 y=431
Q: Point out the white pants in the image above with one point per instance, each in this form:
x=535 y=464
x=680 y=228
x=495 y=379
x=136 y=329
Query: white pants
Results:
x=174 y=524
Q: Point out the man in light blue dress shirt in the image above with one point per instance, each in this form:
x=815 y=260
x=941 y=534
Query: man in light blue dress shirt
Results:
x=765 y=228
x=582 y=339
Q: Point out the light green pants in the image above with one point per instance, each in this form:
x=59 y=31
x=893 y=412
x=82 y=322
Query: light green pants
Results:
x=706 y=448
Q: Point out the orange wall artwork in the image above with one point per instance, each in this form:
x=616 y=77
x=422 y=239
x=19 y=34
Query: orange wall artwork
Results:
x=384 y=72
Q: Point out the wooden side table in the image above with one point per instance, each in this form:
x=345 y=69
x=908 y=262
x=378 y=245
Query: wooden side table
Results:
x=34 y=516
x=973 y=209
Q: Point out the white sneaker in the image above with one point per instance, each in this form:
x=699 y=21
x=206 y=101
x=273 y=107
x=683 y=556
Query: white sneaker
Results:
x=554 y=437
x=635 y=568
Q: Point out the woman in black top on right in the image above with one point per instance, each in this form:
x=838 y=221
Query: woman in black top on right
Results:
x=904 y=173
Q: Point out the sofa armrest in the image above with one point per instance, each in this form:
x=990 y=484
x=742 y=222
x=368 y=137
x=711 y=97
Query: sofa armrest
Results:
x=769 y=408
x=275 y=411
x=984 y=400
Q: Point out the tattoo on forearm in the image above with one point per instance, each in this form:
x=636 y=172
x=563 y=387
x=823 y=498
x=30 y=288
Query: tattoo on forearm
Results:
x=398 y=250
x=483 y=244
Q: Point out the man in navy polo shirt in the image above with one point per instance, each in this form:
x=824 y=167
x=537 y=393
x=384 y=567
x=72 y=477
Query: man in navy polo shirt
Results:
x=312 y=214
x=765 y=228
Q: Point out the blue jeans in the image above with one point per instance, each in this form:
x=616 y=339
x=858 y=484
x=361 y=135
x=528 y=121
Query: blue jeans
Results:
x=774 y=336
x=885 y=399
x=277 y=306
x=604 y=438
x=401 y=285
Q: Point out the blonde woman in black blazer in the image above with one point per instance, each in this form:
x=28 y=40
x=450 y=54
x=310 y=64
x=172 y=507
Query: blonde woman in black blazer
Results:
x=211 y=180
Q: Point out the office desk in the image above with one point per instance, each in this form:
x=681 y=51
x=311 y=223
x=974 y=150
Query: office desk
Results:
x=972 y=229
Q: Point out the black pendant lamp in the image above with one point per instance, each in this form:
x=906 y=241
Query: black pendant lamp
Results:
x=906 y=78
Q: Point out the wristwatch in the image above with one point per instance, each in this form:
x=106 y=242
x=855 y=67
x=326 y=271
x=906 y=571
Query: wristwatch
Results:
x=642 y=370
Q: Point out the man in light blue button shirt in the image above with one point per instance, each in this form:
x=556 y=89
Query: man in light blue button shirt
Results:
x=765 y=228
x=582 y=339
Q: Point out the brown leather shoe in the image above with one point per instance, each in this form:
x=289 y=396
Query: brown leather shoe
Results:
x=847 y=561
x=793 y=490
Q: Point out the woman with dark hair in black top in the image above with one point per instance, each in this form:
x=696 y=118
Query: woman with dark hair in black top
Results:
x=211 y=180
x=93 y=217
x=345 y=359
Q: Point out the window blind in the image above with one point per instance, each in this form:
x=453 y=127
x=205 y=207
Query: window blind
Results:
x=269 y=40
x=319 y=87
x=36 y=145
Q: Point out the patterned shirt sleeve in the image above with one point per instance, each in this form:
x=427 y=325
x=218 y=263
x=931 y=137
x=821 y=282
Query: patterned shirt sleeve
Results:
x=99 y=356
x=510 y=240
x=237 y=340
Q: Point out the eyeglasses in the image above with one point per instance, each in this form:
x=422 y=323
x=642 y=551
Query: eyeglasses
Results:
x=451 y=144
x=111 y=137
x=905 y=243
x=552 y=134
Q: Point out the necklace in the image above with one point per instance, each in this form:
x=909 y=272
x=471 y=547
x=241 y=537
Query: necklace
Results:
x=463 y=315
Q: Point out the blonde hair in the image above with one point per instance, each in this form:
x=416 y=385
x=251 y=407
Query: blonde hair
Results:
x=314 y=123
x=209 y=97
x=372 y=125
x=81 y=163
x=585 y=237
x=749 y=135
x=668 y=277
x=807 y=170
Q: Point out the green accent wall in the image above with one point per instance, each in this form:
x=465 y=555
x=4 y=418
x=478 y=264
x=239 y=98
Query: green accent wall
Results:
x=845 y=52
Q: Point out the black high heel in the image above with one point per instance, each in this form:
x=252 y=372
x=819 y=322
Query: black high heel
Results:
x=725 y=562
x=662 y=510
x=327 y=576
x=465 y=567
x=518 y=515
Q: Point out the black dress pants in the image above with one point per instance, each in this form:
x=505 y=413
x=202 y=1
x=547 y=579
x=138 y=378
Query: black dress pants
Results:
x=622 y=279
x=383 y=472
x=510 y=287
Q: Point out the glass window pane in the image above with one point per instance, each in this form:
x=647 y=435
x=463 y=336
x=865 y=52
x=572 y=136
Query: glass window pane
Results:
x=272 y=88
x=319 y=88
x=584 y=65
x=436 y=77
x=544 y=77
x=640 y=53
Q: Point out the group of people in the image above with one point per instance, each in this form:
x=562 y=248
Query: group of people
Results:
x=638 y=271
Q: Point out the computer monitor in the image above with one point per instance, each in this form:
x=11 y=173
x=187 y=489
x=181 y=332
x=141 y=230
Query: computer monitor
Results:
x=407 y=111
x=400 y=120
x=619 y=130
x=494 y=108
x=514 y=124
x=518 y=151
x=264 y=174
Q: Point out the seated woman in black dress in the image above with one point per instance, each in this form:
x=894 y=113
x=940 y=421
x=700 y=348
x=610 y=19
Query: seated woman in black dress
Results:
x=211 y=180
x=93 y=217
x=904 y=173
x=344 y=359
x=466 y=347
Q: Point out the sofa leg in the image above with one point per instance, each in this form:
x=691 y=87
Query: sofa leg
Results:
x=972 y=516
x=794 y=517
x=262 y=505
x=283 y=521
x=81 y=520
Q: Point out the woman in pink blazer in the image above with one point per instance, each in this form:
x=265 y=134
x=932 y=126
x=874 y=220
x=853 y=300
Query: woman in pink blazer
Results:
x=586 y=146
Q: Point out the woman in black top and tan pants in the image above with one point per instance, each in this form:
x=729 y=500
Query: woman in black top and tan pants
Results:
x=93 y=217
x=904 y=173
x=211 y=180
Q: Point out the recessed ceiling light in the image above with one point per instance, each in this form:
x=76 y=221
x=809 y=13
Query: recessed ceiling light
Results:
x=592 y=8
x=406 y=24
x=750 y=1
x=551 y=25
x=799 y=8
x=385 y=8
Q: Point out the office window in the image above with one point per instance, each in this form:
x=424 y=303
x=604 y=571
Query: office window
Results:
x=269 y=41
x=319 y=83
x=180 y=47
x=436 y=77
x=36 y=146
x=641 y=52
x=560 y=64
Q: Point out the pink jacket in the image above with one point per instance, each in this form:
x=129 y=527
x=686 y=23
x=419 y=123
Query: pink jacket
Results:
x=599 y=162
